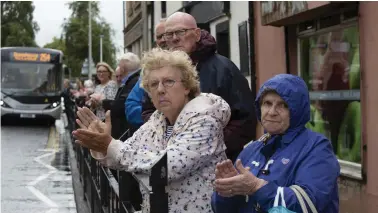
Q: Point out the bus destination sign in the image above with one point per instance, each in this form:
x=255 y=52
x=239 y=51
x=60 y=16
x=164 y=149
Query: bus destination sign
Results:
x=35 y=57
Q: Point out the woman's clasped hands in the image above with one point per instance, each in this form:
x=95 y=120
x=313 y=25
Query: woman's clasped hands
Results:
x=230 y=181
x=93 y=133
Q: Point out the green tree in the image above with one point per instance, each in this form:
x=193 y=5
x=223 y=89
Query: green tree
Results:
x=56 y=43
x=75 y=35
x=17 y=25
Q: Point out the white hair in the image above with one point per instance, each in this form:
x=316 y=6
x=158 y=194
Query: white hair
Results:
x=88 y=83
x=132 y=61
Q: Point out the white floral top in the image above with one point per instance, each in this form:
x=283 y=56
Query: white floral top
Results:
x=193 y=149
x=109 y=90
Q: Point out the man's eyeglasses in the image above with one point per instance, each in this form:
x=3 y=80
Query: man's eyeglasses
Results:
x=178 y=33
x=158 y=37
x=167 y=83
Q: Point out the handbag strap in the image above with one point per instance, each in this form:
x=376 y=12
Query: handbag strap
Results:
x=300 y=193
x=280 y=193
x=300 y=199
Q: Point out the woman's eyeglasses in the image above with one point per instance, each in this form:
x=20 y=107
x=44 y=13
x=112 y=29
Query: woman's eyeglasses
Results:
x=167 y=83
x=101 y=72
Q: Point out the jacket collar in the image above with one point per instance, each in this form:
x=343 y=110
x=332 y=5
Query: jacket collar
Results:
x=125 y=79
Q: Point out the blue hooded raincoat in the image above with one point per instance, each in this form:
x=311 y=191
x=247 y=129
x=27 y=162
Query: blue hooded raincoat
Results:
x=302 y=157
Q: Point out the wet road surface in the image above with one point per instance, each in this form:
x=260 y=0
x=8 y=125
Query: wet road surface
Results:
x=35 y=173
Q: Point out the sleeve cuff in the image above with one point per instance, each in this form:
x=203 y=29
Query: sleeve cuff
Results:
x=265 y=196
x=111 y=154
x=97 y=155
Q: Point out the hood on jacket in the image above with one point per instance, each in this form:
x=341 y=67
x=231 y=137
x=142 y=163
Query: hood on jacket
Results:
x=206 y=47
x=293 y=90
x=206 y=104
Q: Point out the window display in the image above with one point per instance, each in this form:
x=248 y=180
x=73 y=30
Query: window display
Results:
x=330 y=65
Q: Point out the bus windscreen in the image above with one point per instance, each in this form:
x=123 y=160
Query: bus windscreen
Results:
x=35 y=78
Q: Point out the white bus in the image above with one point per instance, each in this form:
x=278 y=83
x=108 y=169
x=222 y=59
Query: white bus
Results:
x=31 y=82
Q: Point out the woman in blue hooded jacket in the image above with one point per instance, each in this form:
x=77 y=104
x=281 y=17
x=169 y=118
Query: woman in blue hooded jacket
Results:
x=288 y=154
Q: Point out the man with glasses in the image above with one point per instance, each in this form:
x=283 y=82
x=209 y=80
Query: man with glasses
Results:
x=138 y=96
x=218 y=75
x=159 y=34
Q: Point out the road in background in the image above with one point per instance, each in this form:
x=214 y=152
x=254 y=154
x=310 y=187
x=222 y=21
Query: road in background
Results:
x=35 y=173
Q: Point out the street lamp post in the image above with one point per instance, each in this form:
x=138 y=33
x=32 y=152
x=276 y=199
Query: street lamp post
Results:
x=101 y=37
x=90 y=40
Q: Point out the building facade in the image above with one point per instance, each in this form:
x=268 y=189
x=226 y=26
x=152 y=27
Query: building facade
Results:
x=333 y=46
x=134 y=30
x=226 y=21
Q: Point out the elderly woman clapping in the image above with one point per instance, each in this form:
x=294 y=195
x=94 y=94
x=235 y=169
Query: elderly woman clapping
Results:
x=287 y=157
x=187 y=125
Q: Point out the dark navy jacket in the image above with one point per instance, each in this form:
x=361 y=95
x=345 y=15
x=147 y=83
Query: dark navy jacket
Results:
x=302 y=157
x=119 y=122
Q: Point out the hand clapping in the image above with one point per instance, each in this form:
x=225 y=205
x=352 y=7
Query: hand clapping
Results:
x=86 y=117
x=230 y=182
x=94 y=134
x=225 y=169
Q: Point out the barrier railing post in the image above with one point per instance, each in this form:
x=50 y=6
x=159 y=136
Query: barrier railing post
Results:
x=158 y=183
x=104 y=188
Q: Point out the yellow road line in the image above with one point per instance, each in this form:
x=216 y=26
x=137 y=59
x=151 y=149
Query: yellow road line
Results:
x=53 y=140
x=57 y=141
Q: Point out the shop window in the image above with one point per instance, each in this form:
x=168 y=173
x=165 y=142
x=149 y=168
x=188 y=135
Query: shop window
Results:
x=163 y=9
x=223 y=38
x=244 y=48
x=330 y=65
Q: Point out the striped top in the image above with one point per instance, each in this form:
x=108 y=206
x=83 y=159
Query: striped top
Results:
x=168 y=132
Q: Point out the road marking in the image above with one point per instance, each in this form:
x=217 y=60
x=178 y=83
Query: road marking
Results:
x=51 y=138
x=42 y=197
x=42 y=177
x=52 y=147
x=38 y=159
x=31 y=185
x=45 y=150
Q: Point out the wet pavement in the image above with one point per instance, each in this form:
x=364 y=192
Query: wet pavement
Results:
x=35 y=171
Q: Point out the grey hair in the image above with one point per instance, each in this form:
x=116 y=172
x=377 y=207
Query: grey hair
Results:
x=132 y=61
x=162 y=20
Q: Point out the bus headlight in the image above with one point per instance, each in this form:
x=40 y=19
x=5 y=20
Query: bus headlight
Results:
x=54 y=105
x=3 y=104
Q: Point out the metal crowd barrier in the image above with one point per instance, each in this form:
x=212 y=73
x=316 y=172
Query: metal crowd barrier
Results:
x=102 y=191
